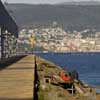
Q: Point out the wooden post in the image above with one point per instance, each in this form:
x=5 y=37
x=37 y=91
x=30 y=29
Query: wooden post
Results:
x=0 y=43
x=72 y=90
x=6 y=44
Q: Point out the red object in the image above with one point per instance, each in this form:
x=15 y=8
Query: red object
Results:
x=65 y=77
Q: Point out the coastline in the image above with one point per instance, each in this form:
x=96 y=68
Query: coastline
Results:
x=86 y=64
x=56 y=68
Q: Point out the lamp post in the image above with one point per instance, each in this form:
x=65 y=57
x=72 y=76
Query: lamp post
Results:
x=31 y=41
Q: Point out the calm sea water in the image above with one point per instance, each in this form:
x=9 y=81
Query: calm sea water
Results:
x=87 y=64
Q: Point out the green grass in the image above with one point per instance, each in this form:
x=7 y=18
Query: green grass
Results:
x=61 y=95
x=41 y=96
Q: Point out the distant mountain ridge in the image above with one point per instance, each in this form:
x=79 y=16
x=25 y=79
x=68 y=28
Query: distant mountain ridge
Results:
x=81 y=3
x=74 y=17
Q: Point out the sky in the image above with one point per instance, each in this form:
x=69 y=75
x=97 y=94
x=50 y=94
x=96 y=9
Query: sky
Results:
x=42 y=1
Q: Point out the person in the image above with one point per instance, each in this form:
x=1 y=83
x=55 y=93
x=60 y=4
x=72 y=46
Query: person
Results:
x=74 y=74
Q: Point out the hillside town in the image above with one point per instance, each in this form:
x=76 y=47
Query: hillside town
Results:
x=56 y=39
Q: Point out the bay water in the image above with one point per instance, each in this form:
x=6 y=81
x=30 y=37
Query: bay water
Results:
x=86 y=64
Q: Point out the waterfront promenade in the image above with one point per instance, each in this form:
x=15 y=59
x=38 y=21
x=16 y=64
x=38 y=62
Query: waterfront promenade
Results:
x=16 y=80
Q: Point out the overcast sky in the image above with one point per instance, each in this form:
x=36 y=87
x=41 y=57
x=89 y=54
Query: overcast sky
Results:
x=42 y=1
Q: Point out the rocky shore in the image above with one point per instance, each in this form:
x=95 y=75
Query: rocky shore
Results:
x=51 y=87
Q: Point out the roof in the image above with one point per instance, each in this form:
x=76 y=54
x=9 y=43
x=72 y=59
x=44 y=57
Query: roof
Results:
x=6 y=21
